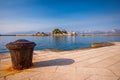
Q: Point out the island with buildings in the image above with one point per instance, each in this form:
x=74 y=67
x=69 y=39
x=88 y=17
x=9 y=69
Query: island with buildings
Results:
x=58 y=32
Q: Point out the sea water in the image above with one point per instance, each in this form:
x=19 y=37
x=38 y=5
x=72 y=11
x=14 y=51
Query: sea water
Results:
x=58 y=42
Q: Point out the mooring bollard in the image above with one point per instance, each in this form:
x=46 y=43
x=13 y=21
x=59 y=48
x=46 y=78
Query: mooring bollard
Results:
x=21 y=52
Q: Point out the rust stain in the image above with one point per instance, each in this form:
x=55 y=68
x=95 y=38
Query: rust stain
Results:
x=8 y=70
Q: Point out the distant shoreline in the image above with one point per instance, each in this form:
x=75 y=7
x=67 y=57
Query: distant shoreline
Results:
x=64 y=35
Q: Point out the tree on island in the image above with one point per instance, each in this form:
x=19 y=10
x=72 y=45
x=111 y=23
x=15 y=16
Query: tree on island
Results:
x=40 y=34
x=64 y=31
x=58 y=31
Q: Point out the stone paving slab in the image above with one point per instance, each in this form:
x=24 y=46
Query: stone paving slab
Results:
x=96 y=77
x=115 y=68
x=87 y=64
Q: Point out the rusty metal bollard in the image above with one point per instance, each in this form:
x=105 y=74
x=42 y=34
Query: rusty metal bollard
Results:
x=21 y=52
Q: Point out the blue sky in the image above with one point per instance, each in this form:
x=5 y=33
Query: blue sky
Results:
x=72 y=15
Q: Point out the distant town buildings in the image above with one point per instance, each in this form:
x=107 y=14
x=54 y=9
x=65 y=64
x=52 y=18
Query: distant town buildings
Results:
x=58 y=32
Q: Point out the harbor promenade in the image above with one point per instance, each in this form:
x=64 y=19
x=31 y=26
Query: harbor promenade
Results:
x=82 y=64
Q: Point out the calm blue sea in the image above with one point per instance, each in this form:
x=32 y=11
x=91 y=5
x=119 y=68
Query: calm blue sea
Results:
x=64 y=43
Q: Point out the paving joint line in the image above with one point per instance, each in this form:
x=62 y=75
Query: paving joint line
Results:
x=113 y=72
x=102 y=60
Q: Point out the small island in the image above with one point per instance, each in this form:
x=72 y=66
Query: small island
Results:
x=58 y=32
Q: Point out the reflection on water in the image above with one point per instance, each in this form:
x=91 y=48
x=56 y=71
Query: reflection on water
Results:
x=59 y=42
x=59 y=39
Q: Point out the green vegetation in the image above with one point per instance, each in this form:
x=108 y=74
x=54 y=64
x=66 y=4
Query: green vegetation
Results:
x=41 y=34
x=58 y=31
x=64 y=31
